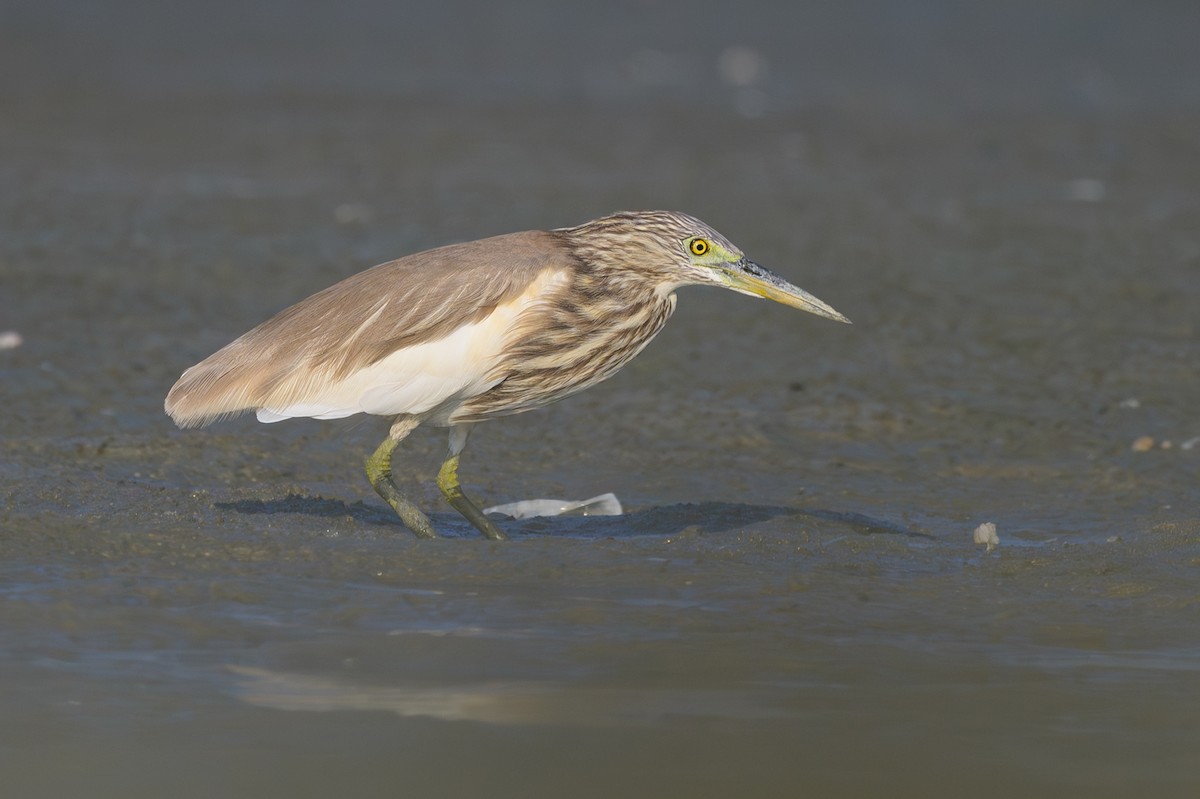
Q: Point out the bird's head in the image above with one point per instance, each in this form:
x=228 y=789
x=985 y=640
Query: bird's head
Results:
x=686 y=251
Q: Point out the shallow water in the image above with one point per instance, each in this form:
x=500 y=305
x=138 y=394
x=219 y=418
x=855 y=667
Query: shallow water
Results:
x=1003 y=201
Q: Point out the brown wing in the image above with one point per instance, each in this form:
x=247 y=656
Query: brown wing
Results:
x=364 y=318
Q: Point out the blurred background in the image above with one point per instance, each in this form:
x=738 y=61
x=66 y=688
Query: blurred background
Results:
x=1004 y=198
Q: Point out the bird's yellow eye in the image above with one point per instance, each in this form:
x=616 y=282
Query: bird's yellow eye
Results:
x=699 y=246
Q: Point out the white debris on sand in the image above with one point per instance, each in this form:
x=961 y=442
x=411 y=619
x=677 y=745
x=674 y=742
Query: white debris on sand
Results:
x=603 y=505
x=1147 y=443
x=986 y=534
x=10 y=340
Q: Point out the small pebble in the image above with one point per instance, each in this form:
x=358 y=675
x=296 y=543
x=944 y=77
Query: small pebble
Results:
x=10 y=340
x=986 y=534
x=1143 y=444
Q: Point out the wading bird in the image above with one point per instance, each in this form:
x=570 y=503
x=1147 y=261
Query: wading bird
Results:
x=463 y=333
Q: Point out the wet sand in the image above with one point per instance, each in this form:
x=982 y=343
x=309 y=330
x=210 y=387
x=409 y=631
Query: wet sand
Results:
x=1003 y=201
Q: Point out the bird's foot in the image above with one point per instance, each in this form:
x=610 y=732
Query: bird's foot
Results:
x=412 y=516
x=379 y=472
x=452 y=490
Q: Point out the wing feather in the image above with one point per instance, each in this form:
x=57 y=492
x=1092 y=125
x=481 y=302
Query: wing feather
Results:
x=311 y=358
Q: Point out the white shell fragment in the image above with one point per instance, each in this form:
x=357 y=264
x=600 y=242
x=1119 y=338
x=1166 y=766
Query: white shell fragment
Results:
x=986 y=534
x=603 y=505
x=10 y=340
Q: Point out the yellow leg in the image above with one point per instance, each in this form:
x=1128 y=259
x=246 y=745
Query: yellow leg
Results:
x=452 y=489
x=379 y=472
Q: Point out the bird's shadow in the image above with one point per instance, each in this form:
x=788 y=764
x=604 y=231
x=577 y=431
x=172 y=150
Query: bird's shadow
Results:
x=704 y=517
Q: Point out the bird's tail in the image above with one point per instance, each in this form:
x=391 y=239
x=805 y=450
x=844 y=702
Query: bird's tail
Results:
x=207 y=393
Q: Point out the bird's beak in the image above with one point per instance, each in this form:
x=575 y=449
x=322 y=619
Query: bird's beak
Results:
x=757 y=281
